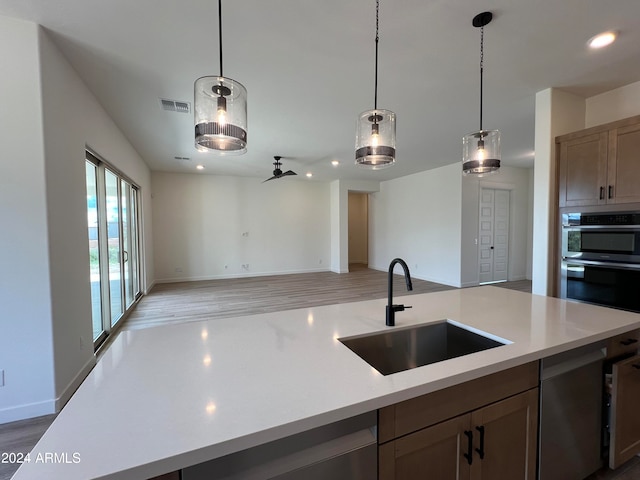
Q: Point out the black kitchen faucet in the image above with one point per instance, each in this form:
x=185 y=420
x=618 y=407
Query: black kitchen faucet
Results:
x=391 y=308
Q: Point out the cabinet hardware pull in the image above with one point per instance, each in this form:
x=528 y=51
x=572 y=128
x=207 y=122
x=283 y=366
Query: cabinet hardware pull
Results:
x=469 y=454
x=601 y=193
x=481 y=449
x=628 y=341
x=610 y=191
x=636 y=365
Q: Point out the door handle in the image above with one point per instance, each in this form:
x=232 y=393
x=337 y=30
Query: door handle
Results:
x=481 y=449
x=610 y=191
x=491 y=247
x=125 y=256
x=628 y=341
x=601 y=193
x=469 y=454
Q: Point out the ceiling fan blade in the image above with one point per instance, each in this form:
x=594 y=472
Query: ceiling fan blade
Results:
x=272 y=178
x=289 y=172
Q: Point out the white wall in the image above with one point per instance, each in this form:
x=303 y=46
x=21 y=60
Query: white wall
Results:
x=199 y=222
x=614 y=105
x=518 y=182
x=26 y=345
x=557 y=113
x=418 y=218
x=48 y=119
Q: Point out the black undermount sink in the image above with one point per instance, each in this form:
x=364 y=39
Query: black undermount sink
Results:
x=403 y=349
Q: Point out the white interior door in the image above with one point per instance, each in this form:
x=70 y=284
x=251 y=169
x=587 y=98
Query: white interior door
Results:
x=493 y=235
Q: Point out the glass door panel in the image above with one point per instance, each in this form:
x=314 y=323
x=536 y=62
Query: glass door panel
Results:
x=135 y=245
x=94 y=250
x=125 y=189
x=114 y=248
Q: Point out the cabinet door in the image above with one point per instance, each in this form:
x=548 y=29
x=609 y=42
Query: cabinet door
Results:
x=509 y=441
x=623 y=184
x=625 y=421
x=582 y=171
x=435 y=452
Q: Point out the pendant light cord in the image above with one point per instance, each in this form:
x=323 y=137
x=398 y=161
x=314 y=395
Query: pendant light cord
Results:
x=220 y=33
x=481 y=69
x=375 y=96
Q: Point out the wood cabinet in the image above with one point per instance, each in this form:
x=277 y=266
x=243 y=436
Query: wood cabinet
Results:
x=600 y=165
x=625 y=421
x=623 y=389
x=484 y=439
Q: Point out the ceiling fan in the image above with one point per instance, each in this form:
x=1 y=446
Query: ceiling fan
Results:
x=277 y=172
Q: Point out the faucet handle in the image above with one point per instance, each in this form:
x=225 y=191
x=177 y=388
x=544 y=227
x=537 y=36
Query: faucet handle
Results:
x=401 y=307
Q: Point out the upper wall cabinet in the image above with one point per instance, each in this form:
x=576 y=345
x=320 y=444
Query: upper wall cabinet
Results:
x=600 y=165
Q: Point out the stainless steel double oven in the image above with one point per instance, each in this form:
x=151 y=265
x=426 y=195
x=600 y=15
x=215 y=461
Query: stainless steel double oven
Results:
x=601 y=259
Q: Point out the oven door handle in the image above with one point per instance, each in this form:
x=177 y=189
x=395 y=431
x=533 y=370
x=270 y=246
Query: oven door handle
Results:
x=612 y=228
x=596 y=263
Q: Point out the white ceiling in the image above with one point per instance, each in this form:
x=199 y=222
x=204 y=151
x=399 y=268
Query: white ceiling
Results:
x=308 y=67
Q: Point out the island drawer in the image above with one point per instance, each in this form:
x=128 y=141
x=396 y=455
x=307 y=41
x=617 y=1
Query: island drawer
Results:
x=420 y=412
x=625 y=344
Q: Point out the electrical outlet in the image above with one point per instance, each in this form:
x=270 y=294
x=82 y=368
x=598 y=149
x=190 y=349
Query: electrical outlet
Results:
x=245 y=266
x=1 y=378
x=320 y=262
x=178 y=269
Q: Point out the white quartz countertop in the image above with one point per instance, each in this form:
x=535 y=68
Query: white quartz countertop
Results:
x=164 y=398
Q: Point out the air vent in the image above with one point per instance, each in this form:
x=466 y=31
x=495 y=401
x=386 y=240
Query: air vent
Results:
x=182 y=158
x=175 y=106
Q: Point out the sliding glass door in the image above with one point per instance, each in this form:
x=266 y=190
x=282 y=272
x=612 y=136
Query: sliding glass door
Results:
x=94 y=250
x=114 y=247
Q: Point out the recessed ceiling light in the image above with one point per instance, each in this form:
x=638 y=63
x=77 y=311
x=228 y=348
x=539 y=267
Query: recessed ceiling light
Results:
x=200 y=167
x=335 y=163
x=309 y=175
x=602 y=40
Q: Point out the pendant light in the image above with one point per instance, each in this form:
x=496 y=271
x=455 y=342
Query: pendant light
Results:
x=376 y=129
x=220 y=110
x=481 y=149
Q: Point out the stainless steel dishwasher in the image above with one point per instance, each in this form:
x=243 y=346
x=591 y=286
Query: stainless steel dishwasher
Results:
x=571 y=394
x=345 y=450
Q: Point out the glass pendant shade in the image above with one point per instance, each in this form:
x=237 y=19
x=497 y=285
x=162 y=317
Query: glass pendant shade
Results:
x=376 y=139
x=220 y=110
x=481 y=153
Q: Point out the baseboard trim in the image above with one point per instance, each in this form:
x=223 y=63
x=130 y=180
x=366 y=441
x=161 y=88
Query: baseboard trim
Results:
x=73 y=385
x=237 y=275
x=149 y=287
x=28 y=410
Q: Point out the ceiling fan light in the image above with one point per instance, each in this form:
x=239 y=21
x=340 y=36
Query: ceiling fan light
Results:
x=376 y=139
x=220 y=115
x=481 y=153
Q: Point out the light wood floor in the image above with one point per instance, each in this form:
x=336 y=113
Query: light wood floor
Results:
x=193 y=301
x=204 y=300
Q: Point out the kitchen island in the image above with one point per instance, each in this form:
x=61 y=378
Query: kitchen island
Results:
x=164 y=398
